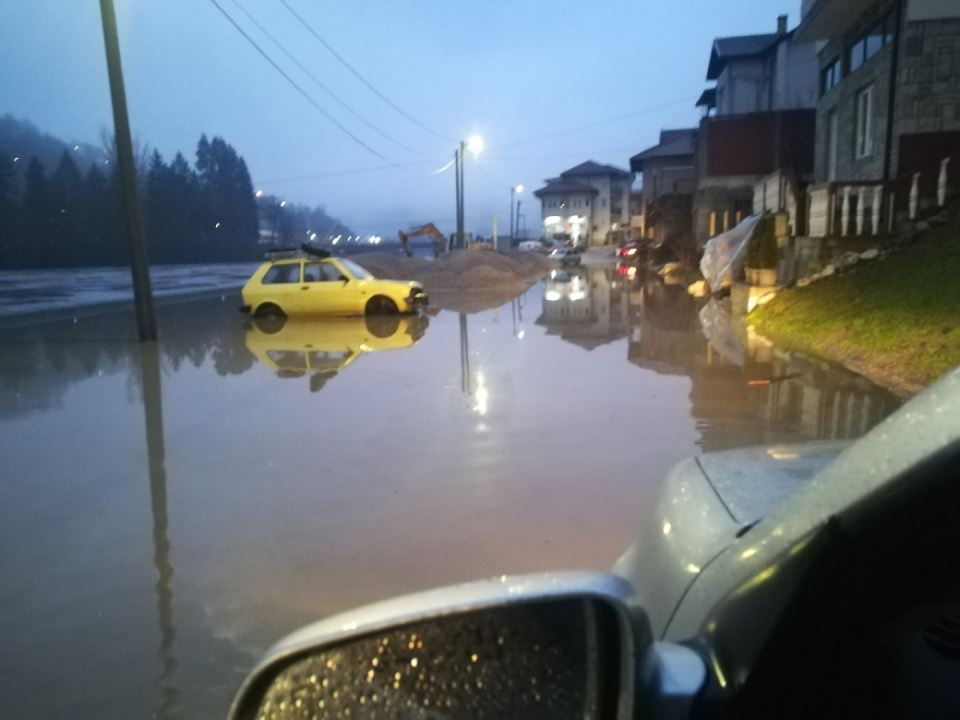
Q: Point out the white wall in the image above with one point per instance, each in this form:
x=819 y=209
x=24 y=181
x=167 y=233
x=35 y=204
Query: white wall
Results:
x=743 y=87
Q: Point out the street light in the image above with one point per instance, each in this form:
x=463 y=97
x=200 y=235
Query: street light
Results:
x=475 y=145
x=514 y=189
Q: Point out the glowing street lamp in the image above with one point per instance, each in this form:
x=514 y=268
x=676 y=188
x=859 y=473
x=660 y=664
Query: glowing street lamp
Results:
x=475 y=145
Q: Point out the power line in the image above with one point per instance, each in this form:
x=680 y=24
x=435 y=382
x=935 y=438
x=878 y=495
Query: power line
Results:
x=597 y=123
x=320 y=83
x=296 y=87
x=338 y=173
x=360 y=77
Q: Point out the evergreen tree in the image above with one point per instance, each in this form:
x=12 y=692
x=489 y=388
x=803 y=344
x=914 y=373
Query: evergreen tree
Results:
x=36 y=217
x=67 y=238
x=9 y=215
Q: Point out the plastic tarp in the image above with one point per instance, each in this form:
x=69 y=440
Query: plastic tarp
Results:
x=724 y=255
x=717 y=328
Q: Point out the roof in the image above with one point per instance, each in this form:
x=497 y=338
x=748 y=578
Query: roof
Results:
x=673 y=144
x=708 y=98
x=740 y=46
x=594 y=168
x=560 y=185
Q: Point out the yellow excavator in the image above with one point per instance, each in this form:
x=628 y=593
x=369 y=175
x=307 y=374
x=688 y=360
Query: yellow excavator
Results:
x=439 y=239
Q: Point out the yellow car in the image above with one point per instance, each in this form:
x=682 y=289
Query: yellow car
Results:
x=306 y=285
x=320 y=348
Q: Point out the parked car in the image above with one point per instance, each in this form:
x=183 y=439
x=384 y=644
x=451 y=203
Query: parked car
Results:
x=630 y=250
x=301 y=283
x=530 y=246
x=776 y=582
x=565 y=256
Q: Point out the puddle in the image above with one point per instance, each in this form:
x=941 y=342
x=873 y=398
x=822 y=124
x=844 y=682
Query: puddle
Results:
x=173 y=509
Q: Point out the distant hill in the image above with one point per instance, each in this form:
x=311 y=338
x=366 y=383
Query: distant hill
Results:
x=22 y=139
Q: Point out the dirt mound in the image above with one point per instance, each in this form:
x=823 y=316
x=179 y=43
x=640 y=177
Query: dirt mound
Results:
x=463 y=280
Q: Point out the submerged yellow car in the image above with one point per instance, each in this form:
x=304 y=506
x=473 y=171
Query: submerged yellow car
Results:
x=320 y=348
x=301 y=284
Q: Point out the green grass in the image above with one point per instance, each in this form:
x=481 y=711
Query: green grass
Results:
x=896 y=320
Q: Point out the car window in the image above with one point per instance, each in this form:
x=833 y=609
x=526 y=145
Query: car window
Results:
x=287 y=359
x=280 y=274
x=327 y=360
x=321 y=272
x=313 y=272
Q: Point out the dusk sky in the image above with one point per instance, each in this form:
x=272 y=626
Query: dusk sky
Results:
x=527 y=76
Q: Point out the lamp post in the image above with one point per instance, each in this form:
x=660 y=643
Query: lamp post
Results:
x=514 y=189
x=473 y=144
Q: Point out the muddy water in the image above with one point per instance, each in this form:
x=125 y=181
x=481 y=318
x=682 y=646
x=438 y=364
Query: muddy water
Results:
x=168 y=511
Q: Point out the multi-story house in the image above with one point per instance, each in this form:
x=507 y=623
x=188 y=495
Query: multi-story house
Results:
x=888 y=113
x=759 y=121
x=588 y=205
x=668 y=182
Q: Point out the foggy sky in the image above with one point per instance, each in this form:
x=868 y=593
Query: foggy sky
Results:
x=517 y=73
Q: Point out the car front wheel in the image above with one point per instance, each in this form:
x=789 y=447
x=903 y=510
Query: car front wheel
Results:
x=381 y=305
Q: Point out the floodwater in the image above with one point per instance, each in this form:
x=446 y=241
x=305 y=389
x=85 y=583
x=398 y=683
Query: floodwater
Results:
x=168 y=511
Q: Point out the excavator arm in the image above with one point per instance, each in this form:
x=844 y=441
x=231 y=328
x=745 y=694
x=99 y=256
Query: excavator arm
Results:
x=439 y=239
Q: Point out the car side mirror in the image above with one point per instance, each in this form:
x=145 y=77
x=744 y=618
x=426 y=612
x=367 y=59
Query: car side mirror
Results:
x=562 y=645
x=345 y=280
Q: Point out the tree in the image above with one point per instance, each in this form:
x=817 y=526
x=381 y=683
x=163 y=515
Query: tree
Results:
x=66 y=233
x=9 y=215
x=36 y=217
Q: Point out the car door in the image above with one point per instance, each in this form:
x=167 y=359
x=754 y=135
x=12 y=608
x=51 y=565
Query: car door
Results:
x=323 y=289
x=281 y=285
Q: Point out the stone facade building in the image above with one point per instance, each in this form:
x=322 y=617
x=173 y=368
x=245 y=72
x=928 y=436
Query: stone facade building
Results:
x=889 y=105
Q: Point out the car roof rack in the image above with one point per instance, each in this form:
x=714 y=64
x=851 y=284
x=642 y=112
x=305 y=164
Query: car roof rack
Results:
x=315 y=250
x=305 y=250
x=281 y=253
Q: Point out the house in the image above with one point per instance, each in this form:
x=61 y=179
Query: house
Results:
x=758 y=127
x=668 y=182
x=888 y=112
x=588 y=205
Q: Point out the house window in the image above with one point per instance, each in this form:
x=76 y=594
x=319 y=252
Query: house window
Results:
x=713 y=224
x=603 y=203
x=864 y=126
x=870 y=43
x=830 y=76
x=588 y=202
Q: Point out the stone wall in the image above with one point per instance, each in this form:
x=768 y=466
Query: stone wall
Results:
x=842 y=99
x=928 y=92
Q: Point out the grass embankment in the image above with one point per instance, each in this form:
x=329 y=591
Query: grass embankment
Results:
x=895 y=320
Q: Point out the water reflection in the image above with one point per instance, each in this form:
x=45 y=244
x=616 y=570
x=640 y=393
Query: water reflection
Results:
x=150 y=385
x=586 y=306
x=321 y=348
x=739 y=381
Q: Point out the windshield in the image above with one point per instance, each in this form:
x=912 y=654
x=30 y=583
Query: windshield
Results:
x=358 y=272
x=595 y=241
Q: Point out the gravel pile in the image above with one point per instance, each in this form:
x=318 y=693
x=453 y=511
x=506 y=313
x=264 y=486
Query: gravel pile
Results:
x=463 y=280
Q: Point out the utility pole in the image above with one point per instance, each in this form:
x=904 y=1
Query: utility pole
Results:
x=461 y=235
x=494 y=232
x=129 y=194
x=517 y=222
x=458 y=161
x=513 y=232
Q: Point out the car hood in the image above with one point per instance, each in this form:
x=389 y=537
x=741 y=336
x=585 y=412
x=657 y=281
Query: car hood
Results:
x=702 y=505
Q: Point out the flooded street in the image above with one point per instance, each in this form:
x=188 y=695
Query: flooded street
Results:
x=174 y=509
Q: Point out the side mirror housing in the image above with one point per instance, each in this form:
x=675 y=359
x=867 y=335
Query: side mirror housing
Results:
x=559 y=645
